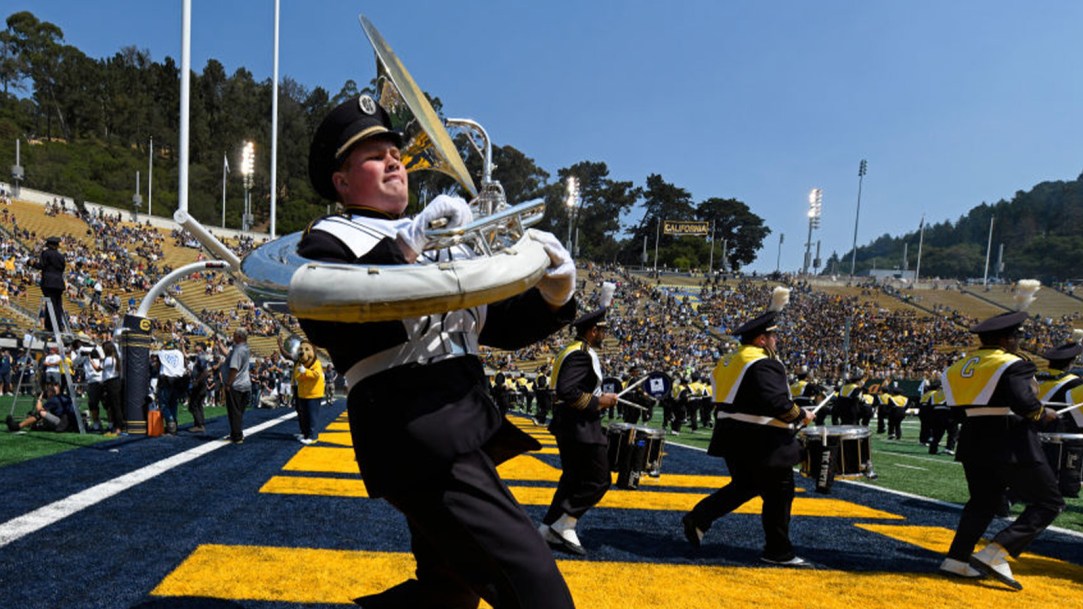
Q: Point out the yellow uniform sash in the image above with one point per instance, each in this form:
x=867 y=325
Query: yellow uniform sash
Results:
x=727 y=375
x=972 y=380
x=1048 y=386
x=584 y=398
x=798 y=389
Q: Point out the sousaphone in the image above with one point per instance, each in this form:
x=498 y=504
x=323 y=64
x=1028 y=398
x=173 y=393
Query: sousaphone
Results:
x=506 y=260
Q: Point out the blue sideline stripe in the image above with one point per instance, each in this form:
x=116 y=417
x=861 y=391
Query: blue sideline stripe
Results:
x=21 y=526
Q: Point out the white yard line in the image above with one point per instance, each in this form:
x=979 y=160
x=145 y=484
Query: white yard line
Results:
x=21 y=526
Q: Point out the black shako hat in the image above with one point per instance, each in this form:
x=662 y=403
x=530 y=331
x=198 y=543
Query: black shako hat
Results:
x=52 y=240
x=353 y=121
x=1006 y=323
x=1068 y=351
x=768 y=321
x=597 y=316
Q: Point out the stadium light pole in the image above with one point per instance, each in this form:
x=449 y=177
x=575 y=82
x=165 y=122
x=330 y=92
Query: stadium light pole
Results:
x=225 y=172
x=815 y=209
x=248 y=165
x=274 y=127
x=571 y=200
x=778 y=260
x=857 y=215
x=150 y=178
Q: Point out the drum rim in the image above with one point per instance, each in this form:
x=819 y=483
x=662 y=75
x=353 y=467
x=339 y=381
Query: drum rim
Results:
x=837 y=431
x=1056 y=437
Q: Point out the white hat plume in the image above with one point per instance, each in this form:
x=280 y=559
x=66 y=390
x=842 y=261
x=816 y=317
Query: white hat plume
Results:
x=780 y=296
x=606 y=297
x=1024 y=293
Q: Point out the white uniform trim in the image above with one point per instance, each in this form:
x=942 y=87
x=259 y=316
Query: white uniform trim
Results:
x=988 y=411
x=755 y=419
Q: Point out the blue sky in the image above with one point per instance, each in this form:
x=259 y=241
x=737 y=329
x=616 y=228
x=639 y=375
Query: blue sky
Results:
x=953 y=103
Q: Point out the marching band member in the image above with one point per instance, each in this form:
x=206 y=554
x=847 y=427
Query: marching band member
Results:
x=426 y=433
x=994 y=388
x=940 y=420
x=755 y=435
x=1058 y=383
x=848 y=405
x=577 y=426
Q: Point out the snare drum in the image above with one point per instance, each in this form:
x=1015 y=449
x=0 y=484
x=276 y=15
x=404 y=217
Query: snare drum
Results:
x=620 y=437
x=1064 y=451
x=654 y=441
x=834 y=451
x=634 y=451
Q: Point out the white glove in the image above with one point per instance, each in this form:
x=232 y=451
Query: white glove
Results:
x=301 y=369
x=454 y=209
x=558 y=284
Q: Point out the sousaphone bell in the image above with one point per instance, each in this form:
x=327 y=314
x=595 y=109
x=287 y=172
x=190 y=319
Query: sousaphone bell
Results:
x=505 y=259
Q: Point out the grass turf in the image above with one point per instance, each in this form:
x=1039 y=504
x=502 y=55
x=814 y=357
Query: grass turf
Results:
x=902 y=465
x=19 y=447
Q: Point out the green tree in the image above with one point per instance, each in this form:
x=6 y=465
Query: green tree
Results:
x=742 y=230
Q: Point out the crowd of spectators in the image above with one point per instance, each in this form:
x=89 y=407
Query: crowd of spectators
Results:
x=685 y=331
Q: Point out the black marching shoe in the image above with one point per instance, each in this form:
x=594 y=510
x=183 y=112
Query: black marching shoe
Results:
x=691 y=531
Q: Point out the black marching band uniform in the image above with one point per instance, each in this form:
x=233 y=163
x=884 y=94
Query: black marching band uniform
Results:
x=1059 y=383
x=51 y=265
x=848 y=405
x=755 y=434
x=805 y=391
x=993 y=390
x=577 y=427
x=941 y=423
x=426 y=432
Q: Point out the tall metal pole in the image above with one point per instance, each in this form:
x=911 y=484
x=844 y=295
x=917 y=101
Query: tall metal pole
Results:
x=778 y=260
x=186 y=88
x=657 y=232
x=150 y=178
x=860 y=178
x=808 y=249
x=921 y=241
x=225 y=170
x=988 y=249
x=710 y=263
x=274 y=129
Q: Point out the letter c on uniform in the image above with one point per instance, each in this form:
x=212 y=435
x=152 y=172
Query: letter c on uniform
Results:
x=968 y=368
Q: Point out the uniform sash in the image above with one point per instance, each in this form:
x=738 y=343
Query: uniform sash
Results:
x=730 y=371
x=972 y=380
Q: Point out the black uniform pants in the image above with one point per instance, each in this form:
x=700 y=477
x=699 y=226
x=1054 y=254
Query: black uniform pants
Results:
x=584 y=479
x=545 y=404
x=940 y=423
x=472 y=540
x=1031 y=483
x=751 y=479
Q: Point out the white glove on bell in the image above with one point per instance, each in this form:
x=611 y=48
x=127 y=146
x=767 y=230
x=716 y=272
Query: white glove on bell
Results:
x=558 y=284
x=454 y=209
x=301 y=369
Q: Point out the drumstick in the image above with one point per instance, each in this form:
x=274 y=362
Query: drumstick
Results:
x=823 y=403
x=1072 y=407
x=633 y=405
x=633 y=385
x=816 y=409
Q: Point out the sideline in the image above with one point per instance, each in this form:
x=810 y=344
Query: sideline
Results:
x=28 y=523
